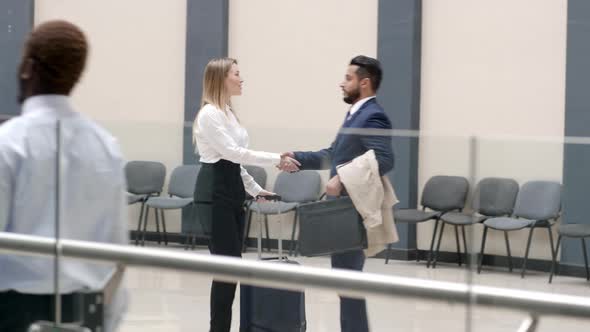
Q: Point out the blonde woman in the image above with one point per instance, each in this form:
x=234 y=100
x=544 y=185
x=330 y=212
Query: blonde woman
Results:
x=222 y=184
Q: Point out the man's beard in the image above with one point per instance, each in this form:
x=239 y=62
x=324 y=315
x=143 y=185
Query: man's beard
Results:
x=21 y=93
x=352 y=96
x=22 y=90
x=20 y=98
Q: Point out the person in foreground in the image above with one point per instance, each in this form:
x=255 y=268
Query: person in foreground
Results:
x=359 y=88
x=92 y=184
x=221 y=187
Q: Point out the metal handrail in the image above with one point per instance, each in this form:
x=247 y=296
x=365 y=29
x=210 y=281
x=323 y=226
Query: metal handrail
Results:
x=287 y=276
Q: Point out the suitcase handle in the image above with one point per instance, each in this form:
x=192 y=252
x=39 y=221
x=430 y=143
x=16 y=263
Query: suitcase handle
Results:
x=274 y=198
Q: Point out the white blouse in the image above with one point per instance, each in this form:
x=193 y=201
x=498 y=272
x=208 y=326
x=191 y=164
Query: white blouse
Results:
x=219 y=135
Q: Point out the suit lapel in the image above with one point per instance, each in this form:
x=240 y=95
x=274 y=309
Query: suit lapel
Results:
x=347 y=121
x=365 y=105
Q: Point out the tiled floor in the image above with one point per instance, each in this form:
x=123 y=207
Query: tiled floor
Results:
x=174 y=302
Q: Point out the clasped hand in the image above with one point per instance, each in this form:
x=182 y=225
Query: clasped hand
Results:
x=288 y=163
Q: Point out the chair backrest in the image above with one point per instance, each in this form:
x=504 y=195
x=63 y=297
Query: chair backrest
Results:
x=538 y=200
x=303 y=186
x=258 y=173
x=145 y=177
x=445 y=193
x=495 y=197
x=183 y=181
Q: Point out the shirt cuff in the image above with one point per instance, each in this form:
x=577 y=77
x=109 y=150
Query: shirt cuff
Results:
x=255 y=191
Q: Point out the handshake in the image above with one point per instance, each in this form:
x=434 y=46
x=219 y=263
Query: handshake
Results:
x=288 y=163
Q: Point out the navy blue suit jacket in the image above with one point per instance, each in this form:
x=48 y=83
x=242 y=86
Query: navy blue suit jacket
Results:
x=346 y=147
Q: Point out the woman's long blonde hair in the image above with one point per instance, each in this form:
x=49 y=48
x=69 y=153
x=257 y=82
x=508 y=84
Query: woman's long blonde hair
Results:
x=214 y=91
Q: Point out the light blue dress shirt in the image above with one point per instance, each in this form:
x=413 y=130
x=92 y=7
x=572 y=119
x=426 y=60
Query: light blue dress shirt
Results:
x=93 y=206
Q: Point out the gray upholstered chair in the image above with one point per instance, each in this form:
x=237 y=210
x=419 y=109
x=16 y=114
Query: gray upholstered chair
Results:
x=294 y=189
x=181 y=190
x=441 y=194
x=538 y=205
x=494 y=197
x=577 y=231
x=260 y=176
x=145 y=179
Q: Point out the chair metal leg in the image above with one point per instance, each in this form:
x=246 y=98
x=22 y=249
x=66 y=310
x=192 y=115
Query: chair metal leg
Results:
x=440 y=235
x=551 y=243
x=508 y=251
x=137 y=235
x=194 y=241
x=526 y=254
x=585 y=258
x=554 y=259
x=483 y=246
x=431 y=252
x=292 y=244
x=164 y=227
x=249 y=214
x=388 y=253
x=186 y=238
x=458 y=245
x=145 y=221
x=467 y=259
x=267 y=233
x=156 y=212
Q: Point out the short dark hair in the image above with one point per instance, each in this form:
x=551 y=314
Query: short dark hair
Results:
x=59 y=50
x=368 y=68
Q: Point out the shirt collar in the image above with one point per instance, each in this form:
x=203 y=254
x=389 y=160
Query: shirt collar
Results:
x=357 y=106
x=56 y=103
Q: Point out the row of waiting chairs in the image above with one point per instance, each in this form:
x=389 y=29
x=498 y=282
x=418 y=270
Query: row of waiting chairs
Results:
x=499 y=204
x=145 y=182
